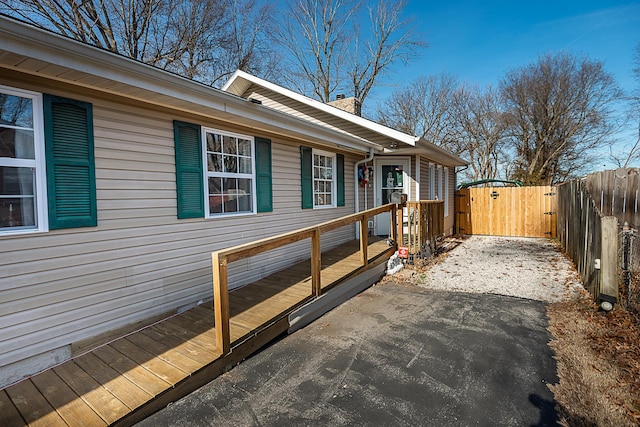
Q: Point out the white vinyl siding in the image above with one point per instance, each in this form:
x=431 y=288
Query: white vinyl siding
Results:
x=68 y=285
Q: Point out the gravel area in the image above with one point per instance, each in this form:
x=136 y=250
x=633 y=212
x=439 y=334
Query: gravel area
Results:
x=521 y=267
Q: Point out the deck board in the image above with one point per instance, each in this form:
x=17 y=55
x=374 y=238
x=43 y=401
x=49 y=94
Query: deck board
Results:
x=99 y=398
x=115 y=383
x=9 y=414
x=34 y=407
x=73 y=410
x=166 y=353
x=124 y=377
x=186 y=348
x=135 y=373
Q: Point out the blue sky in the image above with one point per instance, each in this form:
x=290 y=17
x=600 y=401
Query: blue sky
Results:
x=478 y=41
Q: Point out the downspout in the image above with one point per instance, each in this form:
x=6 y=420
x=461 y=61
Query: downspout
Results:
x=357 y=192
x=355 y=172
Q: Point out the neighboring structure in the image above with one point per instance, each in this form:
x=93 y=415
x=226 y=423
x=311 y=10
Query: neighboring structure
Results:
x=409 y=164
x=118 y=180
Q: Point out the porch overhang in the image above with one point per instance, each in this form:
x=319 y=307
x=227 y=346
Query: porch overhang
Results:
x=430 y=151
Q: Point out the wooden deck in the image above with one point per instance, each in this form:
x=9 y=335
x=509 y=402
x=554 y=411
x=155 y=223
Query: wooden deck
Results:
x=130 y=378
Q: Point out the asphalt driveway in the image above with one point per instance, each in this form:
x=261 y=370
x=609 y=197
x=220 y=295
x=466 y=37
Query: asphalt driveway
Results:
x=397 y=354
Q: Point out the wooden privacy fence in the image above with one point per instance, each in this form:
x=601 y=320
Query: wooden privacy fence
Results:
x=507 y=211
x=590 y=239
x=221 y=260
x=616 y=193
x=425 y=223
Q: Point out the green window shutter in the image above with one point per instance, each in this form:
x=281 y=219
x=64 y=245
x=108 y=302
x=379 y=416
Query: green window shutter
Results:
x=264 y=193
x=189 y=173
x=71 y=175
x=306 y=167
x=340 y=179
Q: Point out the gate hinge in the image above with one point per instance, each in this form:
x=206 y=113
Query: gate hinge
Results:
x=548 y=232
x=549 y=213
x=550 y=194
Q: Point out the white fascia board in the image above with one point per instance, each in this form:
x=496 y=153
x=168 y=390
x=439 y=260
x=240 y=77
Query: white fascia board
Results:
x=187 y=95
x=236 y=86
x=431 y=152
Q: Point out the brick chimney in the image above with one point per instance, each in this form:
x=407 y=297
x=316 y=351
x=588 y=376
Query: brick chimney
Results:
x=350 y=105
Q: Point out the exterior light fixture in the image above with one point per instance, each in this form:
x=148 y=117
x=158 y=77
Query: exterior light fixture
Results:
x=606 y=306
x=607 y=302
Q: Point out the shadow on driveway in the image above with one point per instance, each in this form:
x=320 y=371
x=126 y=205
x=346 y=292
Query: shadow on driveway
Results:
x=394 y=355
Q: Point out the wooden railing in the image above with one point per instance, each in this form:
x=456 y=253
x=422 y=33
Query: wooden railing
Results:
x=425 y=223
x=221 y=259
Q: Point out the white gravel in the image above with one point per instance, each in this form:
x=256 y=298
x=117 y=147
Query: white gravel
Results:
x=520 y=267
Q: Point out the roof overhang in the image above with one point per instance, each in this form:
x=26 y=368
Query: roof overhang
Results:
x=240 y=82
x=34 y=51
x=430 y=151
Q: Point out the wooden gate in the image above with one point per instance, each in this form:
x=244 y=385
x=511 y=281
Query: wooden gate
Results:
x=507 y=211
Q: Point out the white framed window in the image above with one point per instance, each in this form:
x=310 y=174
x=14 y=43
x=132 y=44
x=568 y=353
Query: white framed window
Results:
x=440 y=184
x=22 y=162
x=432 y=181
x=324 y=179
x=230 y=173
x=446 y=192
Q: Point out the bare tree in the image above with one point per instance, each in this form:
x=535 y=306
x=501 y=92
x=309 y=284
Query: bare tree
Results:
x=481 y=127
x=424 y=109
x=204 y=40
x=328 y=50
x=629 y=153
x=559 y=112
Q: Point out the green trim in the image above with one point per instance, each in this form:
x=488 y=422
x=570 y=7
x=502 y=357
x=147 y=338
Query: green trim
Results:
x=264 y=192
x=340 y=179
x=189 y=171
x=70 y=158
x=490 y=181
x=306 y=172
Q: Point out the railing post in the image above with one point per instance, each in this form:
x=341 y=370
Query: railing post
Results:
x=221 y=303
x=316 y=263
x=400 y=224
x=393 y=229
x=364 y=240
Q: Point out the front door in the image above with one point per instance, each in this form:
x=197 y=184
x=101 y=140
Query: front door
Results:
x=391 y=174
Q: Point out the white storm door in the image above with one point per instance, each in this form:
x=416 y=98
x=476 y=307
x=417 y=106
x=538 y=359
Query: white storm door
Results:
x=391 y=174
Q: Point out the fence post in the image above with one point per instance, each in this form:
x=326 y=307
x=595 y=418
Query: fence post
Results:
x=609 y=259
x=221 y=303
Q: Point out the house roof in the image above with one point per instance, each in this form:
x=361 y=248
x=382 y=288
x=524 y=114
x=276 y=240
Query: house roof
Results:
x=280 y=98
x=37 y=52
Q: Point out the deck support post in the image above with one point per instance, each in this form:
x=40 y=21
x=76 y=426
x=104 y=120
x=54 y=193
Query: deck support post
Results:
x=316 y=263
x=364 y=240
x=221 y=303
